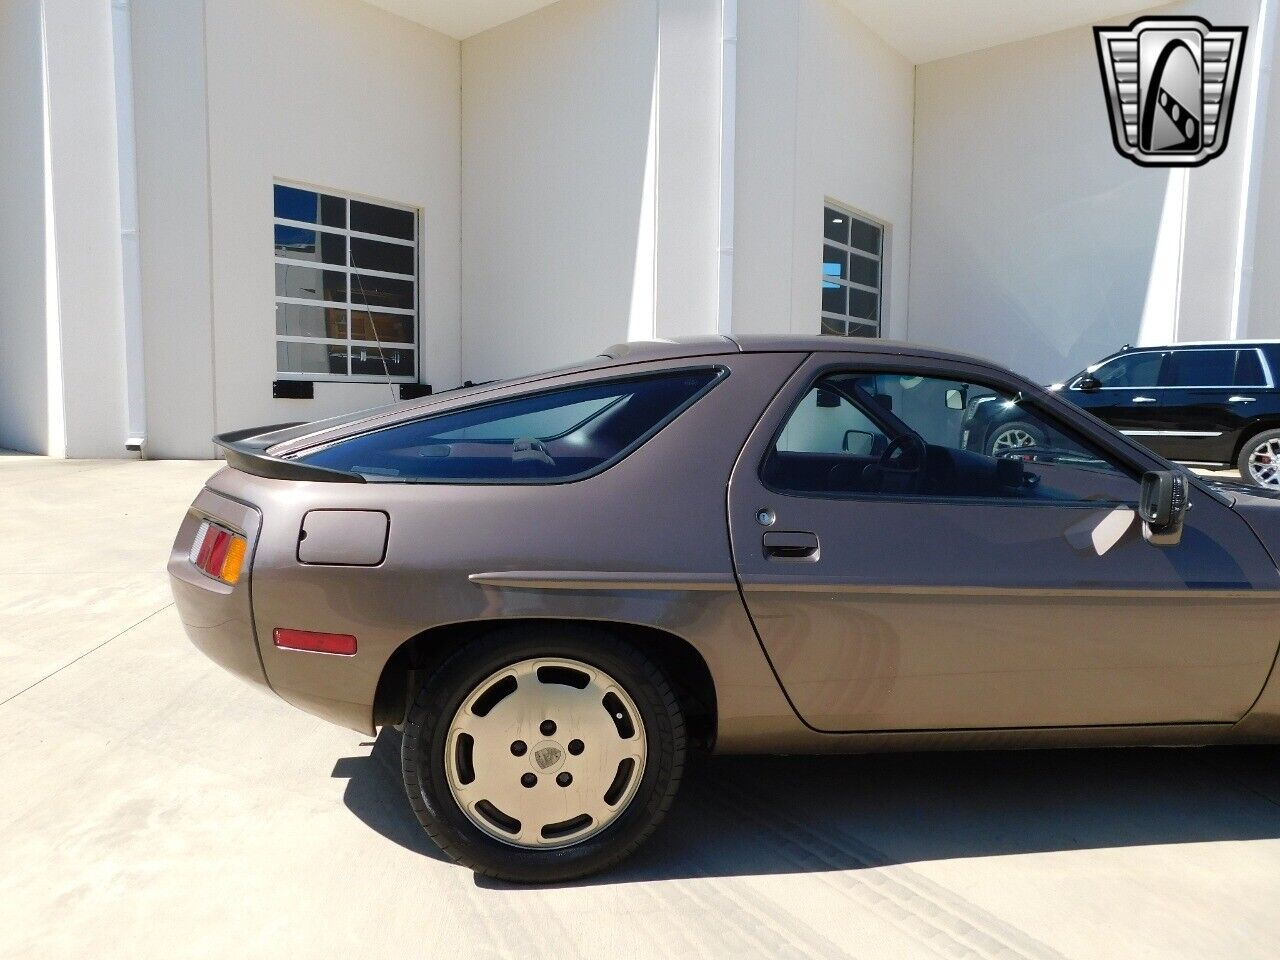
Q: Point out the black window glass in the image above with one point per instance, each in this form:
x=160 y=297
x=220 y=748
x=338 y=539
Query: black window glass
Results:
x=836 y=225
x=833 y=297
x=375 y=255
x=862 y=305
x=864 y=270
x=385 y=221
x=381 y=291
x=1202 y=368
x=864 y=236
x=558 y=435
x=298 y=243
x=1249 y=370
x=292 y=203
x=1131 y=370
x=835 y=262
x=891 y=434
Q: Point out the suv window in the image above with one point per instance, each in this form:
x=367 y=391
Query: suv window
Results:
x=1249 y=371
x=895 y=435
x=1202 y=368
x=1131 y=370
x=541 y=437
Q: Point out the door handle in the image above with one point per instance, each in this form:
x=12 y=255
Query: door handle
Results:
x=1144 y=399
x=1239 y=399
x=790 y=545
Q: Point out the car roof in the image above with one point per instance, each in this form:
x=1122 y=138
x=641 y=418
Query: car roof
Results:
x=1194 y=344
x=674 y=348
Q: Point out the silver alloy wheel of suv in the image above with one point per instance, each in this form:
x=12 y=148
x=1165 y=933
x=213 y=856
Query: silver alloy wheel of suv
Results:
x=545 y=753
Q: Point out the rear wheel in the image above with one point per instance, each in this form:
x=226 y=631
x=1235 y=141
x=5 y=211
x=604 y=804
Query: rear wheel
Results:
x=1259 y=459
x=543 y=753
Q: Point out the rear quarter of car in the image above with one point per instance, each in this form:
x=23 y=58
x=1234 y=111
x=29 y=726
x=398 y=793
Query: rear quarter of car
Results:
x=641 y=546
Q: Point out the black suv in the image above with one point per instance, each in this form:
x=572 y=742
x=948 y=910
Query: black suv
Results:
x=1211 y=404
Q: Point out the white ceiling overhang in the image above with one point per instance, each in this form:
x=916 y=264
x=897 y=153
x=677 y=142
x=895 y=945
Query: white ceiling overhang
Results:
x=461 y=18
x=924 y=30
x=921 y=30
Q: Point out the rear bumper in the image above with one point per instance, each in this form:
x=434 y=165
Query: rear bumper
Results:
x=218 y=617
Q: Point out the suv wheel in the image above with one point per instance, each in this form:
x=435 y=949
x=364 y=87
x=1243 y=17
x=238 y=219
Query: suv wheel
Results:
x=1259 y=459
x=543 y=753
x=1010 y=436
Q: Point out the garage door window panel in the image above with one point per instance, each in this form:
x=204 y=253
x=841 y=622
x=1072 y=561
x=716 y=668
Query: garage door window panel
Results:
x=346 y=278
x=852 y=274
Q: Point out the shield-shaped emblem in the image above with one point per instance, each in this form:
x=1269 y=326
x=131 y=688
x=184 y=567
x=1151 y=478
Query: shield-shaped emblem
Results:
x=547 y=756
x=1171 y=85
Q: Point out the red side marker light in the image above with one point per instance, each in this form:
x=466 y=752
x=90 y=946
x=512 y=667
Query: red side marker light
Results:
x=340 y=643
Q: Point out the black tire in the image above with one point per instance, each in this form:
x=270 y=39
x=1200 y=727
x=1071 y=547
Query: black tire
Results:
x=1246 y=451
x=437 y=701
x=1036 y=434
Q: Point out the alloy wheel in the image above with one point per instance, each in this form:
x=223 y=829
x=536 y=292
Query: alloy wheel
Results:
x=545 y=753
x=1264 y=463
x=1011 y=439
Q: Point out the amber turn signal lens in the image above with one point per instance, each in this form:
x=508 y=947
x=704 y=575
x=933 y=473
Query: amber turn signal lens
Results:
x=218 y=552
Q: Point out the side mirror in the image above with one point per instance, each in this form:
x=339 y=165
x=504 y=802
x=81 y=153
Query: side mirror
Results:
x=884 y=400
x=955 y=400
x=1163 y=506
x=1089 y=383
x=858 y=441
x=828 y=398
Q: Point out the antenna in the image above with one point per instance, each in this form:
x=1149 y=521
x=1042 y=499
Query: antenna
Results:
x=386 y=371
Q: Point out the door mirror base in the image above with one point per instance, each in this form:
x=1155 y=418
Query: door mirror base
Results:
x=1163 y=506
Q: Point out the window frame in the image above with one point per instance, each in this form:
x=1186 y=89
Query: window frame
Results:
x=1129 y=466
x=881 y=261
x=719 y=373
x=350 y=306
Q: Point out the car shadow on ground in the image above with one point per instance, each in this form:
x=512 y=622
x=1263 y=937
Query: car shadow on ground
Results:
x=770 y=815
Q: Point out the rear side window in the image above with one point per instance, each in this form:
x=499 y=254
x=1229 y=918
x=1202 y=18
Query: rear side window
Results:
x=1249 y=370
x=537 y=438
x=1202 y=368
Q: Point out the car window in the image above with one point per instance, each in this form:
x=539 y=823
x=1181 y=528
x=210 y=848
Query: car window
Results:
x=1202 y=368
x=542 y=437
x=826 y=422
x=1130 y=370
x=1249 y=371
x=935 y=437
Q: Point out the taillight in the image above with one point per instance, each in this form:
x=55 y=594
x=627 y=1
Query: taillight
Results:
x=218 y=552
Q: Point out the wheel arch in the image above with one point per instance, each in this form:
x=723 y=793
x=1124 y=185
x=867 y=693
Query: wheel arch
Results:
x=678 y=659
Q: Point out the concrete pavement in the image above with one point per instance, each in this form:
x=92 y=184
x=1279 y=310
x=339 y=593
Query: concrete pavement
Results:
x=153 y=806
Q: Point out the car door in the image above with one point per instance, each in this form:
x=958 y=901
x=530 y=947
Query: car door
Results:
x=1010 y=592
x=1211 y=395
x=1127 y=395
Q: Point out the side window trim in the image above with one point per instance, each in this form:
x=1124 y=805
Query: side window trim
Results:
x=1164 y=366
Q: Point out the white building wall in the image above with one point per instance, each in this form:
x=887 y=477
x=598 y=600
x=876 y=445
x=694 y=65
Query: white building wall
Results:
x=24 y=381
x=84 y=293
x=556 y=129
x=1038 y=245
x=1263 y=296
x=824 y=111
x=171 y=133
x=339 y=95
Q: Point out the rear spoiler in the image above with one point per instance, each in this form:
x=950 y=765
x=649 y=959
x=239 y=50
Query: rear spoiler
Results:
x=246 y=450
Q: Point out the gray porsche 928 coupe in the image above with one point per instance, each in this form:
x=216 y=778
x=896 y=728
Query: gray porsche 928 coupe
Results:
x=557 y=585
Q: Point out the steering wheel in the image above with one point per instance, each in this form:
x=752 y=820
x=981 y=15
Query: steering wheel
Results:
x=900 y=467
x=912 y=448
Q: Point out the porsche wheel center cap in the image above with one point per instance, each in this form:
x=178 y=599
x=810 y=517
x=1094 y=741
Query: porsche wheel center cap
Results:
x=547 y=756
